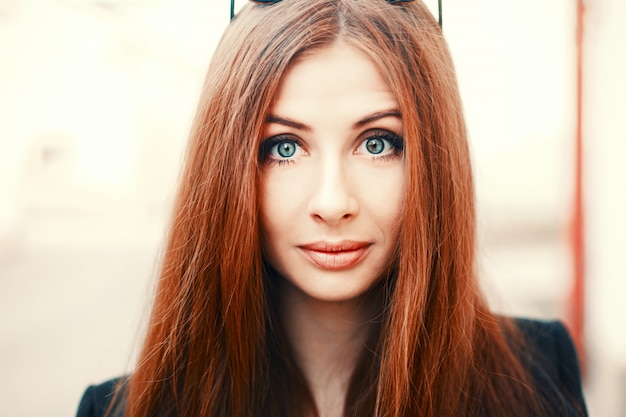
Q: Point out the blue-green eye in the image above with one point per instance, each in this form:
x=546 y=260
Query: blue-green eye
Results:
x=381 y=143
x=286 y=149
x=374 y=145
x=281 y=148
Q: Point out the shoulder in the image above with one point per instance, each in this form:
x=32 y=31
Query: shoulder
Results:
x=550 y=357
x=97 y=399
x=550 y=338
x=551 y=349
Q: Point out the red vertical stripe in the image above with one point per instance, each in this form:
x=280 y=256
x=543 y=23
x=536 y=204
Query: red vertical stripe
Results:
x=577 y=300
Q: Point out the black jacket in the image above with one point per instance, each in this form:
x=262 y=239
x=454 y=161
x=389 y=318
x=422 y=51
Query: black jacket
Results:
x=553 y=363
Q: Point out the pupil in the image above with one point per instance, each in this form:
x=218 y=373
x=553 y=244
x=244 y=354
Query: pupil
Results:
x=286 y=149
x=375 y=146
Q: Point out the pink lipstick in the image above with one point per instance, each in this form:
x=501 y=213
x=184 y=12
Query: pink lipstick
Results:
x=335 y=255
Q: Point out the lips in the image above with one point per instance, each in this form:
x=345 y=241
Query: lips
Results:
x=335 y=255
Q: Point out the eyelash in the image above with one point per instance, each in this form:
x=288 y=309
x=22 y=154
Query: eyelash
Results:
x=396 y=142
x=268 y=144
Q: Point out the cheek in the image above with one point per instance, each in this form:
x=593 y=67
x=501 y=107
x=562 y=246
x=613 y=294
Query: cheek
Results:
x=278 y=199
x=392 y=212
x=382 y=195
x=267 y=208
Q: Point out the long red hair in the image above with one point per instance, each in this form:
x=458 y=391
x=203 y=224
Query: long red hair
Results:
x=214 y=347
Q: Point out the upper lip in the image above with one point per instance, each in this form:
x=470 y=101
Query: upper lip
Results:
x=342 y=246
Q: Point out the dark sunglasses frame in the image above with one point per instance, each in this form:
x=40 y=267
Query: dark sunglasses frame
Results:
x=232 y=7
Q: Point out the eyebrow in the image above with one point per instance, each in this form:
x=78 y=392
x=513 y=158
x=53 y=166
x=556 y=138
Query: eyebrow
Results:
x=289 y=123
x=364 y=121
x=377 y=116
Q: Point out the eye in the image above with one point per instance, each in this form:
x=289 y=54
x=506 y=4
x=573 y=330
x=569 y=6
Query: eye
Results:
x=281 y=149
x=286 y=149
x=374 y=145
x=381 y=143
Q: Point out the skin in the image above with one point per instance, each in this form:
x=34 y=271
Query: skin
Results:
x=331 y=197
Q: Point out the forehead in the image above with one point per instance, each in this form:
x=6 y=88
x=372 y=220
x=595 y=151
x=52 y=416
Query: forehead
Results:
x=339 y=75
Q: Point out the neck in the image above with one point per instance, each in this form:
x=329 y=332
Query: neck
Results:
x=328 y=338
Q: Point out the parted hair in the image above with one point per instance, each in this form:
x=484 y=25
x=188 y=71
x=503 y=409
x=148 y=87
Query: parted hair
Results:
x=214 y=346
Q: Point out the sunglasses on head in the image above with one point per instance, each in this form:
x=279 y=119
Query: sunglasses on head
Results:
x=232 y=6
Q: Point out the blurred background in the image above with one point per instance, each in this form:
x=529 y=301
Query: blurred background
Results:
x=97 y=96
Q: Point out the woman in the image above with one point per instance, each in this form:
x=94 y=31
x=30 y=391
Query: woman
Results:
x=321 y=255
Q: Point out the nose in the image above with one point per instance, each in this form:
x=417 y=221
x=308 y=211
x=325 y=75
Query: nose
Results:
x=333 y=197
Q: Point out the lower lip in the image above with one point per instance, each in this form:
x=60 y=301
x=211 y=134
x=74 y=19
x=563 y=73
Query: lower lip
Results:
x=335 y=261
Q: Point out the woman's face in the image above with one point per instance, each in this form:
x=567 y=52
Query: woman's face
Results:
x=332 y=181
